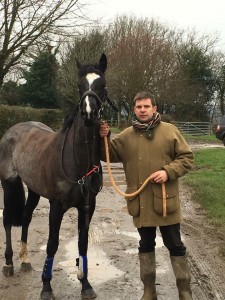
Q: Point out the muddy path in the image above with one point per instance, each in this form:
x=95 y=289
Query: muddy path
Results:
x=112 y=254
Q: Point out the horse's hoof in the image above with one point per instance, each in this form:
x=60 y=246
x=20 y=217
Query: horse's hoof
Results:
x=8 y=270
x=26 y=266
x=88 y=294
x=47 y=296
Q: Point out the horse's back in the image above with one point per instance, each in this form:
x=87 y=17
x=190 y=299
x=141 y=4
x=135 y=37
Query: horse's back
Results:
x=17 y=140
x=26 y=126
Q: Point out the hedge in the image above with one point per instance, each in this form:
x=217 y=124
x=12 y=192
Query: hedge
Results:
x=10 y=115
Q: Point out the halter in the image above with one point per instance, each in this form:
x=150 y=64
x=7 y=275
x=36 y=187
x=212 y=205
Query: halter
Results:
x=93 y=94
x=105 y=98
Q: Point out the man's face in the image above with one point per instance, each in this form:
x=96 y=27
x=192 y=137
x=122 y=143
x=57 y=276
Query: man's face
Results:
x=144 y=110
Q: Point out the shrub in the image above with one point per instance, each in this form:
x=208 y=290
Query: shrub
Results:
x=10 y=115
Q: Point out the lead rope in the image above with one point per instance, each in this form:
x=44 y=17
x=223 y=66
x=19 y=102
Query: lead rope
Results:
x=140 y=189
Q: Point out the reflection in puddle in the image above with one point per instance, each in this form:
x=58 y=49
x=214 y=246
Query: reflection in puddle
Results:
x=100 y=268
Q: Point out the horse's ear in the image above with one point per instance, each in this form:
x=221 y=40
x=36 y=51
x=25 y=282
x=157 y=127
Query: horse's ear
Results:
x=103 y=63
x=78 y=63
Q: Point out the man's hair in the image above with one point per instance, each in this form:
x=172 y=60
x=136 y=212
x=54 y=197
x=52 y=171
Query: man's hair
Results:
x=144 y=95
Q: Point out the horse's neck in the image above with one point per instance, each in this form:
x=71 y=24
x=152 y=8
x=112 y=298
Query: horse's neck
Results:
x=82 y=147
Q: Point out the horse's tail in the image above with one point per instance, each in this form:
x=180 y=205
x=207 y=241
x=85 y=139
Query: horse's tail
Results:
x=14 y=201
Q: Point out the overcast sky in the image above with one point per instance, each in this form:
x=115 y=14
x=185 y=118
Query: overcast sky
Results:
x=204 y=16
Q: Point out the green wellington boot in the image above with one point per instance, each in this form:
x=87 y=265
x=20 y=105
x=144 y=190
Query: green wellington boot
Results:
x=183 y=276
x=148 y=275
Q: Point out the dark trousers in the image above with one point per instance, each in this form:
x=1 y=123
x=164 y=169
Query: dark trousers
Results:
x=171 y=239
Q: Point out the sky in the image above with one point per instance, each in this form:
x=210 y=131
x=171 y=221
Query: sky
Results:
x=206 y=17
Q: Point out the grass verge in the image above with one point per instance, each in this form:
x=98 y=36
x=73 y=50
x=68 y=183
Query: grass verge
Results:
x=207 y=181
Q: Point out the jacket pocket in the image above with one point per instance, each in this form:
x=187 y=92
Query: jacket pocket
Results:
x=133 y=204
x=172 y=199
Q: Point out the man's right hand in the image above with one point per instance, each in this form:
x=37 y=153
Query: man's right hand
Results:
x=104 y=129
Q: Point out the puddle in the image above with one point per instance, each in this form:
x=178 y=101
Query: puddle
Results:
x=132 y=251
x=134 y=234
x=44 y=247
x=100 y=268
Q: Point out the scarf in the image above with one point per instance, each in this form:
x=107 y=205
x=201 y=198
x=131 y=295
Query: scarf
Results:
x=147 y=128
x=154 y=121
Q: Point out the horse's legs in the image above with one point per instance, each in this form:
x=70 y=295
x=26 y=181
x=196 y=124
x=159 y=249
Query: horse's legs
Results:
x=31 y=204
x=14 y=201
x=87 y=290
x=8 y=269
x=55 y=219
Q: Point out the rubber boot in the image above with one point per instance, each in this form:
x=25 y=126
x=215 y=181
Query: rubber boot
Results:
x=148 y=275
x=183 y=276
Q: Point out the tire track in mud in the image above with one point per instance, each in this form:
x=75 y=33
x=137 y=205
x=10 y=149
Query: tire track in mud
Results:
x=203 y=243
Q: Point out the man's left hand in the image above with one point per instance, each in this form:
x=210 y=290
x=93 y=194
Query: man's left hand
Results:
x=159 y=176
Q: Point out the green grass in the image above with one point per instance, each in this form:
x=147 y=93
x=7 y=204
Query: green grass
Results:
x=204 y=138
x=208 y=182
x=115 y=129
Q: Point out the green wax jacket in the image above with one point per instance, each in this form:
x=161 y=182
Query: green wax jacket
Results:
x=141 y=156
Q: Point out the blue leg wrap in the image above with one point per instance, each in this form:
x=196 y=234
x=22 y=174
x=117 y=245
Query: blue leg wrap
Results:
x=47 y=270
x=82 y=267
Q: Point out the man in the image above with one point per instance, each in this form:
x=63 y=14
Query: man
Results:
x=151 y=147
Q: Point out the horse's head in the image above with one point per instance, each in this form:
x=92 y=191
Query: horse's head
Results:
x=92 y=89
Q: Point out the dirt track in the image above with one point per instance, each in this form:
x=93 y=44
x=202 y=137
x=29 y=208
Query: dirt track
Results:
x=113 y=259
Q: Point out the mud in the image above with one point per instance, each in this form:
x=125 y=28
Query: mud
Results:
x=112 y=254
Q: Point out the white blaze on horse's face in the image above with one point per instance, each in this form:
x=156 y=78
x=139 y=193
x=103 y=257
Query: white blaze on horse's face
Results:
x=91 y=77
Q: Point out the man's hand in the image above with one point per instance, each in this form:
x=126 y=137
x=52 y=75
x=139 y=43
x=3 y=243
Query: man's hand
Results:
x=104 y=129
x=159 y=176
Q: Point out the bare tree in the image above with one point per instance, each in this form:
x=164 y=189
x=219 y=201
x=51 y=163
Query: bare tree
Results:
x=219 y=82
x=24 y=22
x=141 y=58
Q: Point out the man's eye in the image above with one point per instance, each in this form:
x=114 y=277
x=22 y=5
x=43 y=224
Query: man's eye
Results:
x=145 y=106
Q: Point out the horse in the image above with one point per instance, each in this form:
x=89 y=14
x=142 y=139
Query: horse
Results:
x=62 y=166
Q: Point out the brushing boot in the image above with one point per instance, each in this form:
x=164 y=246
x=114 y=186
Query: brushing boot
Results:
x=183 y=276
x=148 y=275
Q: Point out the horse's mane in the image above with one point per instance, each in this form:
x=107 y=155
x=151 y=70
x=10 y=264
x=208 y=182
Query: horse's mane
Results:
x=69 y=118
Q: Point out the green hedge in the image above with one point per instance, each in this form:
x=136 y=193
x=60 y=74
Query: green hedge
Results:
x=10 y=115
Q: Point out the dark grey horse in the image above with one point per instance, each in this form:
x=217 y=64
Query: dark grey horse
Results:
x=63 y=166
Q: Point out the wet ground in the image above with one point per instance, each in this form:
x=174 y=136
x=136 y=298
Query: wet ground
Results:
x=112 y=254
